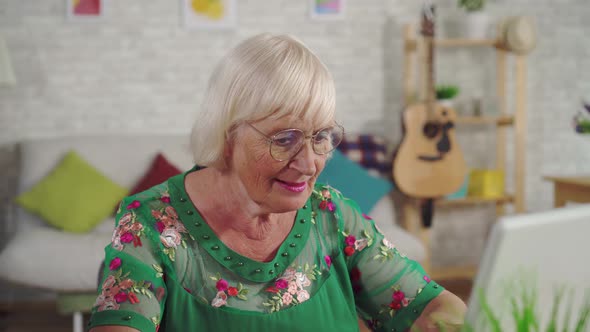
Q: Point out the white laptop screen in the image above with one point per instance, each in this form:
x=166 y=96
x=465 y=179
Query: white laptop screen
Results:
x=528 y=260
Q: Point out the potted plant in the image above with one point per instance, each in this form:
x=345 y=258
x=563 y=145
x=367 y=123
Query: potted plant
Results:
x=476 y=22
x=446 y=94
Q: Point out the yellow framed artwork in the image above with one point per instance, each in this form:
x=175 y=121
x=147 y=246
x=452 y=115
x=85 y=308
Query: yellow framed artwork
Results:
x=209 y=14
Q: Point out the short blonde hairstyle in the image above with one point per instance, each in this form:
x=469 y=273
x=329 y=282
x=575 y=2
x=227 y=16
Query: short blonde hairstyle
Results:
x=264 y=76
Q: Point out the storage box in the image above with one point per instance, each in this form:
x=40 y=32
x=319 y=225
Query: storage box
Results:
x=486 y=183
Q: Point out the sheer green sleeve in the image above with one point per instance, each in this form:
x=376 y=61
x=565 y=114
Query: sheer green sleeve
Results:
x=390 y=289
x=132 y=288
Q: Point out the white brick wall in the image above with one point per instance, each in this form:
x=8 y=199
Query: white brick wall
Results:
x=139 y=71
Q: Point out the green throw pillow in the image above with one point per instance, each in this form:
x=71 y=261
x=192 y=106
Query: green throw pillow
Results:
x=74 y=197
x=353 y=181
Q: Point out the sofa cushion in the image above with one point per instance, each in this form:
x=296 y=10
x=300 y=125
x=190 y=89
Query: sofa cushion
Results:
x=354 y=181
x=160 y=170
x=369 y=151
x=74 y=197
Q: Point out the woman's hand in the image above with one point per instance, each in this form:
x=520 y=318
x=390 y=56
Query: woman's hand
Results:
x=446 y=312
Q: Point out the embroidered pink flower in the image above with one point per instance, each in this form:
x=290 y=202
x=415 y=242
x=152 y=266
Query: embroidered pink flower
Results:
x=106 y=303
x=302 y=296
x=133 y=205
x=367 y=217
x=281 y=284
x=126 y=284
x=349 y=251
x=115 y=263
x=331 y=206
x=160 y=226
x=121 y=297
x=293 y=287
x=326 y=194
x=221 y=285
x=136 y=227
x=323 y=205
x=405 y=302
x=350 y=240
x=232 y=291
x=328 y=260
x=361 y=244
x=170 y=238
x=171 y=212
x=109 y=282
x=398 y=296
x=289 y=274
x=287 y=298
x=219 y=300
x=165 y=199
x=127 y=237
x=125 y=219
x=426 y=278
x=302 y=280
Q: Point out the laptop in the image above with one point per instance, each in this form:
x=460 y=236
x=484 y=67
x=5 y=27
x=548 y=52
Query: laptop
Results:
x=530 y=259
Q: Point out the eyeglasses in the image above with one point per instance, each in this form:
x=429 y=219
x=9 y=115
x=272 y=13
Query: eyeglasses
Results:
x=287 y=143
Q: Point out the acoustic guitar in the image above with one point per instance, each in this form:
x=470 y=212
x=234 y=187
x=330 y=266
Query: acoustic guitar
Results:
x=428 y=162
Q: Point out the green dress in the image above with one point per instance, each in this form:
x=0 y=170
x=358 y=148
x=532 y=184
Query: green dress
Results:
x=165 y=270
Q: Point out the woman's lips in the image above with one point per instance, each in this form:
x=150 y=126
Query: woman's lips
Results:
x=295 y=187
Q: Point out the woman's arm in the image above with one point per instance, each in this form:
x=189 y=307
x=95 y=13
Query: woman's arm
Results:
x=445 y=312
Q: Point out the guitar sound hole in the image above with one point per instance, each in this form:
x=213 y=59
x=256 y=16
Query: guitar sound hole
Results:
x=431 y=129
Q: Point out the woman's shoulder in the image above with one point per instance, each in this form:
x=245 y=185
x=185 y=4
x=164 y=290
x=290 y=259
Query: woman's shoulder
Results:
x=157 y=197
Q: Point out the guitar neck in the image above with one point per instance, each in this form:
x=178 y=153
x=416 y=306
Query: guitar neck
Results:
x=428 y=15
x=430 y=77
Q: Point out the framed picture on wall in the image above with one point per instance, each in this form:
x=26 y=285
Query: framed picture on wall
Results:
x=209 y=14
x=327 y=9
x=85 y=10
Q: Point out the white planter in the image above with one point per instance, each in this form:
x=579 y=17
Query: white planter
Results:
x=476 y=25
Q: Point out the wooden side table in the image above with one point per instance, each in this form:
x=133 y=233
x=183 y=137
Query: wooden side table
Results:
x=570 y=189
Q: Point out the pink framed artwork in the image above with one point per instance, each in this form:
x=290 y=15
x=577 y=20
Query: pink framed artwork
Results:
x=327 y=9
x=85 y=10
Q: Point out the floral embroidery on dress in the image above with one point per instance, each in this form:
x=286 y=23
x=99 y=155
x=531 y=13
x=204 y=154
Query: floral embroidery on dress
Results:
x=224 y=290
x=325 y=198
x=170 y=229
x=118 y=288
x=127 y=231
x=399 y=300
x=290 y=288
x=353 y=245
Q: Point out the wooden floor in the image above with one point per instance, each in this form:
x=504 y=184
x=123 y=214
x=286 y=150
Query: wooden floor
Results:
x=42 y=317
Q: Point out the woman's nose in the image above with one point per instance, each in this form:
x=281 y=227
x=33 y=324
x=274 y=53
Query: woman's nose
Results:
x=305 y=160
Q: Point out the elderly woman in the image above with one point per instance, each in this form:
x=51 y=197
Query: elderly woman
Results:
x=247 y=240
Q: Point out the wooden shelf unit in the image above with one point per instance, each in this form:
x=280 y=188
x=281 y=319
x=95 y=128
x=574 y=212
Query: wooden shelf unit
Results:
x=414 y=54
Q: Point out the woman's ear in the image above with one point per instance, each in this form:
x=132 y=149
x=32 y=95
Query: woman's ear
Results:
x=227 y=153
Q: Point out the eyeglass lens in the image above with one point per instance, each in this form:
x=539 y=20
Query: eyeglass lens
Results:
x=287 y=143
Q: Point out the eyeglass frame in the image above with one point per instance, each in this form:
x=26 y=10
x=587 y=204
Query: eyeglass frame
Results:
x=271 y=139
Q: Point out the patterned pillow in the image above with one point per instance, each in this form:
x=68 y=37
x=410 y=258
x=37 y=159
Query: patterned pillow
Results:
x=369 y=151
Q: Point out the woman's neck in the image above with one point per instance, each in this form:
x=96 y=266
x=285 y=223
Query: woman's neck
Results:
x=238 y=221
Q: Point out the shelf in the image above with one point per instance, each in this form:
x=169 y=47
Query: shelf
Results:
x=459 y=272
x=411 y=44
x=495 y=120
x=475 y=200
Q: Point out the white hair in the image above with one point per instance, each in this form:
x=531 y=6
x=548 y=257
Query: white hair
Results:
x=264 y=76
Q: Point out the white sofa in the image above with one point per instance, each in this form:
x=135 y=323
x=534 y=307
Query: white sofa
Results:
x=43 y=257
